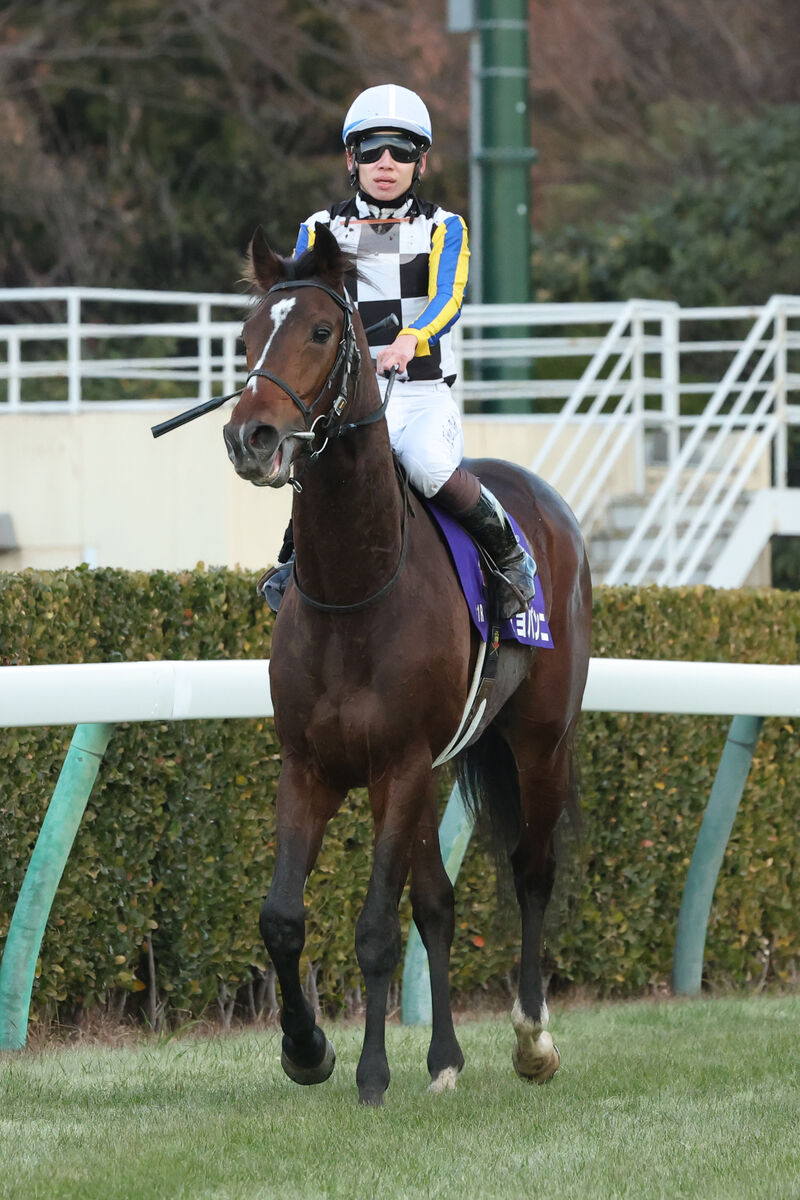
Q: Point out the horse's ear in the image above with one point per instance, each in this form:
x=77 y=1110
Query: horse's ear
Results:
x=264 y=266
x=328 y=253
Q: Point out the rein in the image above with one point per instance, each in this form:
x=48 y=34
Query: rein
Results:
x=348 y=358
x=387 y=587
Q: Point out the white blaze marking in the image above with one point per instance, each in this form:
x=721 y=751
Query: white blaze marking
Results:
x=278 y=314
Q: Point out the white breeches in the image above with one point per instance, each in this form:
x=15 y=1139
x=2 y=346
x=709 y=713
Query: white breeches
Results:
x=425 y=431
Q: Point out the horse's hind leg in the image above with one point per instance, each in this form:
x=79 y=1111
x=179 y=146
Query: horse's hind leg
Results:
x=433 y=907
x=303 y=809
x=545 y=778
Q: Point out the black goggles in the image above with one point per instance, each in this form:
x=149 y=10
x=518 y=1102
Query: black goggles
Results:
x=402 y=148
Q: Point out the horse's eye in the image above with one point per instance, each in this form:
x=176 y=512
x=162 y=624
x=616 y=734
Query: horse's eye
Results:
x=321 y=333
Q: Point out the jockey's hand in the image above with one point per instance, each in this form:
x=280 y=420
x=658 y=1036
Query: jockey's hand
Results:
x=399 y=354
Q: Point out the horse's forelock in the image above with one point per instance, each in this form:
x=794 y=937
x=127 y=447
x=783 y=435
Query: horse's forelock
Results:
x=306 y=266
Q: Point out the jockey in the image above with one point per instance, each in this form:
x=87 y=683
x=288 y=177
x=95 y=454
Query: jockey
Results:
x=412 y=261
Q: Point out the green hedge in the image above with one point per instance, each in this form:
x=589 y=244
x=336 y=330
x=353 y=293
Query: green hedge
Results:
x=176 y=849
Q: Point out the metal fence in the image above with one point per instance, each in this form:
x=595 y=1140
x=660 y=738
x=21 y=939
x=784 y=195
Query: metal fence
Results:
x=699 y=397
x=98 y=694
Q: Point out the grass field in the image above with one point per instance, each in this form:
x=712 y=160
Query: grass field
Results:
x=673 y=1099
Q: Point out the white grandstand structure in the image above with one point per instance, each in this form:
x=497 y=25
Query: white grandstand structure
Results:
x=667 y=429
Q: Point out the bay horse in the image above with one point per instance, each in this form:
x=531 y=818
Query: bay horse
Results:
x=371 y=662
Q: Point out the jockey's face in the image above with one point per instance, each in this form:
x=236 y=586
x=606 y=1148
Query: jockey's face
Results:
x=386 y=179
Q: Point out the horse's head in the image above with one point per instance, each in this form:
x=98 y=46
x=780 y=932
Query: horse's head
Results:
x=298 y=342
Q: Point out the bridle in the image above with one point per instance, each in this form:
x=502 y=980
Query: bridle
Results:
x=348 y=356
x=347 y=360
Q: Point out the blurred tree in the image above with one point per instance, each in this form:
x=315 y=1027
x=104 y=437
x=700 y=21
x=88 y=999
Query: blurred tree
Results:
x=141 y=142
x=139 y=139
x=726 y=232
x=613 y=84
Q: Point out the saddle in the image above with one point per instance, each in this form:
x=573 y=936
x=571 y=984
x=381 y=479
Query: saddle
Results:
x=530 y=628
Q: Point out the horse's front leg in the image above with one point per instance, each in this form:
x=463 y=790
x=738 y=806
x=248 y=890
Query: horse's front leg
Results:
x=304 y=807
x=396 y=804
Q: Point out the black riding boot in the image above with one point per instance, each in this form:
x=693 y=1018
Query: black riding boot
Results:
x=489 y=525
x=273 y=583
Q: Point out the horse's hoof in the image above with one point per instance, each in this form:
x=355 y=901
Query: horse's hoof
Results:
x=370 y=1098
x=535 y=1057
x=309 y=1075
x=537 y=1063
x=445 y=1081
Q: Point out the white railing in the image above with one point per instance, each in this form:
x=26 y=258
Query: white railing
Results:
x=135 y=357
x=714 y=457
x=97 y=695
x=193 y=689
x=696 y=414
x=705 y=419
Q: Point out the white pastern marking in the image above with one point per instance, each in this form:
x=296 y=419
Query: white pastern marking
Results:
x=535 y=1057
x=445 y=1081
x=527 y=1025
x=278 y=314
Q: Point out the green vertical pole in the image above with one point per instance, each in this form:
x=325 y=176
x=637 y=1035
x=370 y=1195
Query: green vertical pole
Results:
x=454 y=835
x=505 y=151
x=505 y=156
x=50 y=854
x=709 y=852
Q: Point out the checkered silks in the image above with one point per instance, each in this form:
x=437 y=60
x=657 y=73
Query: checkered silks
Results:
x=395 y=260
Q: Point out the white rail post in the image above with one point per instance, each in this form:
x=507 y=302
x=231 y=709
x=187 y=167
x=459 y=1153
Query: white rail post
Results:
x=671 y=406
x=637 y=379
x=14 y=393
x=228 y=362
x=781 y=464
x=74 y=350
x=458 y=353
x=204 y=350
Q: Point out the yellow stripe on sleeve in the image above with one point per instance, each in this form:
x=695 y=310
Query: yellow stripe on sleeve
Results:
x=452 y=307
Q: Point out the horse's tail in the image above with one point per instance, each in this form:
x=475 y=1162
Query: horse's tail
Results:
x=489 y=784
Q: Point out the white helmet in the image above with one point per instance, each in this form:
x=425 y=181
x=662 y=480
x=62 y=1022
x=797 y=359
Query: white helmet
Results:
x=388 y=106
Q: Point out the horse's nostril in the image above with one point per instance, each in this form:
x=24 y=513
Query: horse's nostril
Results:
x=263 y=437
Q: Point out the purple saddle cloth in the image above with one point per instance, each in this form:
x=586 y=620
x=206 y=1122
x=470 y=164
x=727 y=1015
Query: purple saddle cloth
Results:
x=528 y=627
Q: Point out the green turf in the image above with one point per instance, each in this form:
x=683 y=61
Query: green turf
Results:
x=679 y=1099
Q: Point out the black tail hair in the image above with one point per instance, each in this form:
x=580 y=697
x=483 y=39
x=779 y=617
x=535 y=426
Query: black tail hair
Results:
x=489 y=784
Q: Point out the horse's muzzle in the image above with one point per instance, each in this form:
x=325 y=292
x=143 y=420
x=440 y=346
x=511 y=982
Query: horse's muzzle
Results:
x=252 y=448
x=260 y=453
